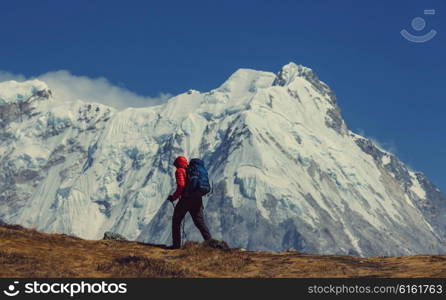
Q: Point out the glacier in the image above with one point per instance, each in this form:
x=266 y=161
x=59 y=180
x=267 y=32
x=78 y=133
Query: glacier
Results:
x=286 y=170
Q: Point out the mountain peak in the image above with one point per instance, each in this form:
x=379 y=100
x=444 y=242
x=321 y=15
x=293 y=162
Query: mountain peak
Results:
x=247 y=80
x=290 y=71
x=13 y=91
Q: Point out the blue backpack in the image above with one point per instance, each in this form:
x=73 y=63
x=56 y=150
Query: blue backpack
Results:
x=197 y=178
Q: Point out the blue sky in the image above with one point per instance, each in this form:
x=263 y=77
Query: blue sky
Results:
x=388 y=88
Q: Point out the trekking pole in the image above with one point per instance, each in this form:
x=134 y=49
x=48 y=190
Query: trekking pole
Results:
x=173 y=205
x=183 y=233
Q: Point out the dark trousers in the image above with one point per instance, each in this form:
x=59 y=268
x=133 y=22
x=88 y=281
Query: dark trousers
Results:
x=193 y=205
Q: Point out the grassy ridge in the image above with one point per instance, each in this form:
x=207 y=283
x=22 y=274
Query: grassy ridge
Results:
x=29 y=253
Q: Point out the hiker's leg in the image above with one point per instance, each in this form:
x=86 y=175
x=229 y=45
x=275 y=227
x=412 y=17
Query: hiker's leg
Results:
x=178 y=216
x=198 y=218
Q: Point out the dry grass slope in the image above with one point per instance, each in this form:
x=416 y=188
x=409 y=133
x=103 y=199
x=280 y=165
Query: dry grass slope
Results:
x=29 y=253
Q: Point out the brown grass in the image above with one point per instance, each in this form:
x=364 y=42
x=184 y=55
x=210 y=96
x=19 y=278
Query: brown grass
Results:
x=228 y=263
x=29 y=253
x=139 y=266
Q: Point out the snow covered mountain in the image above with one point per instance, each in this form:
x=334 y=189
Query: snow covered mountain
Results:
x=286 y=170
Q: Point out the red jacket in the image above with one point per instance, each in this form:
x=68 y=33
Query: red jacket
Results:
x=180 y=176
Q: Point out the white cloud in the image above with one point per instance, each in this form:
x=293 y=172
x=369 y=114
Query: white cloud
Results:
x=5 y=76
x=387 y=146
x=65 y=85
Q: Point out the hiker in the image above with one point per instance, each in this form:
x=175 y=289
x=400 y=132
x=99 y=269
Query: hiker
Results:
x=189 y=202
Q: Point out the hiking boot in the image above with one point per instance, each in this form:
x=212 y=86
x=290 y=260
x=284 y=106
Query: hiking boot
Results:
x=213 y=243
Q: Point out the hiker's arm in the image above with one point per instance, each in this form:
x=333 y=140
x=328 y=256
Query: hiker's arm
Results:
x=180 y=176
